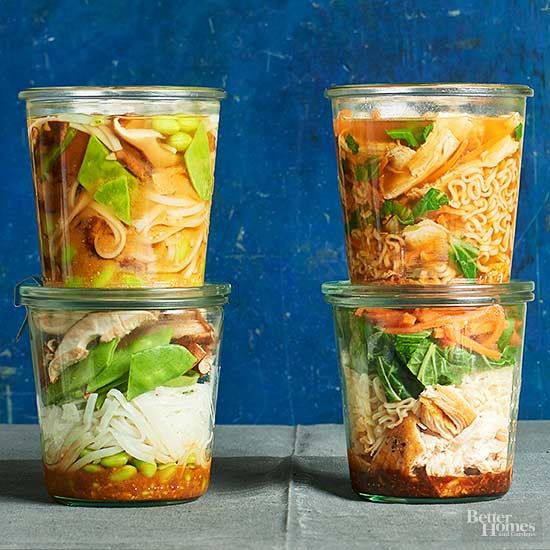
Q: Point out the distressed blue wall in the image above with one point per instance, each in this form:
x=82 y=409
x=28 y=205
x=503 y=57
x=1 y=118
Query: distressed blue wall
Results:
x=276 y=232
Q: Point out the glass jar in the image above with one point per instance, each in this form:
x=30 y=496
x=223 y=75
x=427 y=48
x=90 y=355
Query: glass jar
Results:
x=126 y=385
x=429 y=180
x=430 y=382
x=123 y=179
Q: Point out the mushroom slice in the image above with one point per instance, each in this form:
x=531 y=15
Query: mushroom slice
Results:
x=147 y=141
x=444 y=411
x=105 y=325
x=189 y=327
x=56 y=322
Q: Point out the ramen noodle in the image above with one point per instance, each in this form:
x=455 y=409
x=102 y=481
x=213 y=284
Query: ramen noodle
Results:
x=429 y=200
x=123 y=200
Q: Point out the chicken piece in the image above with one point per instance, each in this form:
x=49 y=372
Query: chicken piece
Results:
x=503 y=148
x=399 y=157
x=444 y=411
x=105 y=325
x=56 y=323
x=425 y=242
x=441 y=143
x=400 y=449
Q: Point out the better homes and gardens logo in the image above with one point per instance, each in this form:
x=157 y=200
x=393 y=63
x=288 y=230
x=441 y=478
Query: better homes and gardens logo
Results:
x=494 y=524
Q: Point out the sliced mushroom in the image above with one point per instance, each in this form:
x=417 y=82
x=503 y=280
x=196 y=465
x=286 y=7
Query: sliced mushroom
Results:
x=105 y=325
x=444 y=411
x=134 y=160
x=56 y=322
x=147 y=141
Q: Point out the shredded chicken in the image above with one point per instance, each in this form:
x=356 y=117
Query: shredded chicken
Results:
x=444 y=411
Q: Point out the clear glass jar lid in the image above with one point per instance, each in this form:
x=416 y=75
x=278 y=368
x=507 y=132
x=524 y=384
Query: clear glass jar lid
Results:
x=343 y=293
x=442 y=89
x=92 y=299
x=121 y=92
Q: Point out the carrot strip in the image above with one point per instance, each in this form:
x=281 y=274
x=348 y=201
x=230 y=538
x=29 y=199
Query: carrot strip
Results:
x=453 y=334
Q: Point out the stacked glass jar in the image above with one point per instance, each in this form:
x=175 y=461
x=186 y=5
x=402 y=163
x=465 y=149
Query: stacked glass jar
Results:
x=430 y=328
x=125 y=334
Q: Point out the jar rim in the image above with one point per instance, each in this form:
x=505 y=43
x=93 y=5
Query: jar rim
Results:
x=434 y=89
x=44 y=297
x=51 y=94
x=344 y=293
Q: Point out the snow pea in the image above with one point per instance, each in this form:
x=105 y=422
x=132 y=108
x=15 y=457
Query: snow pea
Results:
x=153 y=367
x=120 y=364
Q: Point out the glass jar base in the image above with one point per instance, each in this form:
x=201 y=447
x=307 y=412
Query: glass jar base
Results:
x=69 y=501
x=425 y=500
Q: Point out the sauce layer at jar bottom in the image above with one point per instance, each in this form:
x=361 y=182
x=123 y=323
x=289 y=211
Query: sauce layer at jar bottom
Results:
x=421 y=485
x=171 y=484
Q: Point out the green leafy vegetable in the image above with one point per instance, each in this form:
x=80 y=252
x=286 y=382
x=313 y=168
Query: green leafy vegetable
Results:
x=197 y=160
x=406 y=344
x=397 y=381
x=404 y=214
x=426 y=131
x=518 y=131
x=120 y=364
x=464 y=255
x=352 y=144
x=56 y=152
x=369 y=170
x=433 y=200
x=506 y=335
x=104 y=277
x=156 y=366
x=404 y=133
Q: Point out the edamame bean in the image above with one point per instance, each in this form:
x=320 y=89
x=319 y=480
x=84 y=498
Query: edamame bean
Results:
x=179 y=141
x=191 y=460
x=123 y=473
x=167 y=473
x=188 y=476
x=148 y=469
x=115 y=461
x=165 y=125
x=92 y=468
x=188 y=124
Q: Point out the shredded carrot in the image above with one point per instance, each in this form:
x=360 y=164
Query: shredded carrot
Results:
x=453 y=159
x=454 y=335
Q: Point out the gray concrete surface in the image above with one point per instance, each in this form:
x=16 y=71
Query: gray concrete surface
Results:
x=273 y=487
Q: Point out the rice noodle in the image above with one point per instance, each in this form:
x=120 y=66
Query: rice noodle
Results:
x=170 y=201
x=103 y=133
x=118 y=229
x=163 y=425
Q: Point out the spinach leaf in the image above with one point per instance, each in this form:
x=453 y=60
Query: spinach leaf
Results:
x=369 y=170
x=433 y=200
x=404 y=214
x=397 y=381
x=518 y=131
x=464 y=256
x=352 y=144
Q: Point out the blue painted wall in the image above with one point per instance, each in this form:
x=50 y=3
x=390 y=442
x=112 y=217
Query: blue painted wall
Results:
x=276 y=230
